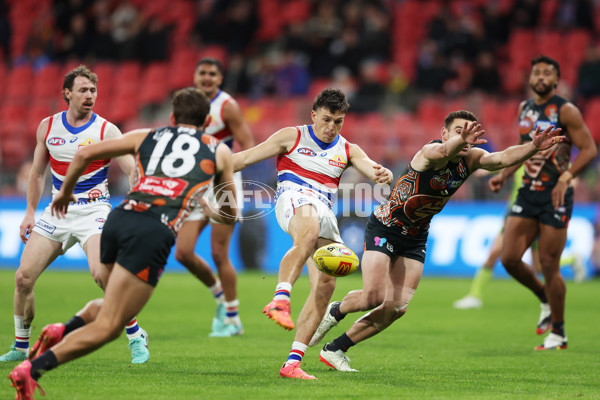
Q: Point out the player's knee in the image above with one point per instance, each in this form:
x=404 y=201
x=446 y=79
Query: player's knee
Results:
x=220 y=256
x=371 y=299
x=183 y=256
x=509 y=262
x=326 y=286
x=23 y=281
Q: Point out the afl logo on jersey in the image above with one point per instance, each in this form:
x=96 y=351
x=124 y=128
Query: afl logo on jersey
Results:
x=525 y=126
x=56 y=141
x=307 y=152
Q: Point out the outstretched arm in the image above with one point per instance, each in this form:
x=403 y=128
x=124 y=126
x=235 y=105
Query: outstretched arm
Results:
x=279 y=142
x=439 y=153
x=369 y=168
x=110 y=148
x=541 y=140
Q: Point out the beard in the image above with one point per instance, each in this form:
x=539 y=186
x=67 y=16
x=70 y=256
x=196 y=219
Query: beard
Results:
x=543 y=90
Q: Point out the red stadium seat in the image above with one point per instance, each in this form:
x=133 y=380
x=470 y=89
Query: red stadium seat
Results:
x=47 y=82
x=154 y=84
x=19 y=81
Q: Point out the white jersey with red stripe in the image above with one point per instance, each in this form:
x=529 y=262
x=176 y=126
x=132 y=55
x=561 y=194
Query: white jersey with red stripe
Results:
x=313 y=166
x=218 y=128
x=63 y=141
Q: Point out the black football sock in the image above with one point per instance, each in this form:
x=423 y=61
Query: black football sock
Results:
x=43 y=363
x=74 y=323
x=559 y=328
x=542 y=296
x=336 y=313
x=341 y=343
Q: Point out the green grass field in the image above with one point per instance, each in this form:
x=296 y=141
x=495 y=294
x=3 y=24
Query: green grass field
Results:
x=434 y=352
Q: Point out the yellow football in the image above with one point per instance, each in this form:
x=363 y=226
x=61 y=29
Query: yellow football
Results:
x=336 y=260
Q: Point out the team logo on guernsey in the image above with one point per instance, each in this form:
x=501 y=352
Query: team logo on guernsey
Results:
x=85 y=143
x=440 y=182
x=338 y=161
x=56 y=141
x=551 y=111
x=306 y=152
x=525 y=125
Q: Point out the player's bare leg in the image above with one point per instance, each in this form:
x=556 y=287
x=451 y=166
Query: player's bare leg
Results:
x=321 y=289
x=230 y=324
x=519 y=234
x=304 y=227
x=124 y=297
x=404 y=277
x=138 y=337
x=39 y=252
x=375 y=275
x=552 y=242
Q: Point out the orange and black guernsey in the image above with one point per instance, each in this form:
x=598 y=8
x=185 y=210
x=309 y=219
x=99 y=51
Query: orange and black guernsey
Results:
x=174 y=167
x=543 y=169
x=417 y=196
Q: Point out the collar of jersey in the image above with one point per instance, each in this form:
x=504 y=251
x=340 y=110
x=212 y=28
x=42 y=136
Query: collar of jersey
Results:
x=322 y=144
x=76 y=130
x=214 y=98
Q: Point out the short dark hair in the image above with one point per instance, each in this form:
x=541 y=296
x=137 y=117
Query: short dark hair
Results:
x=332 y=99
x=82 y=70
x=190 y=107
x=211 y=61
x=545 y=59
x=462 y=114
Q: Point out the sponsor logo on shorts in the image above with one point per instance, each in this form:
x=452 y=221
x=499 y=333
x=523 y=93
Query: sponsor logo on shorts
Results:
x=307 y=152
x=43 y=225
x=95 y=194
x=56 y=141
x=516 y=209
x=390 y=247
x=379 y=242
x=101 y=221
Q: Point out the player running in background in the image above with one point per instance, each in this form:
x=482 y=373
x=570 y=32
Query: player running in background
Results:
x=58 y=138
x=474 y=298
x=391 y=273
x=227 y=124
x=175 y=166
x=310 y=162
x=545 y=201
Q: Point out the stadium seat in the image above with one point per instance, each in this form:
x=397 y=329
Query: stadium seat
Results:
x=47 y=82
x=19 y=81
x=154 y=84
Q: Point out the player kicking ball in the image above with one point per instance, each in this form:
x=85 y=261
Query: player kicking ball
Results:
x=391 y=273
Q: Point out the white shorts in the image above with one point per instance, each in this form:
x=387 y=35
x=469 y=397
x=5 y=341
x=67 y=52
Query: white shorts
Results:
x=81 y=222
x=197 y=214
x=289 y=200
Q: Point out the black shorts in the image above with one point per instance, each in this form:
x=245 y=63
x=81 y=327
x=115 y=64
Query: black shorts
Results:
x=391 y=241
x=137 y=241
x=538 y=205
